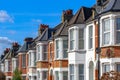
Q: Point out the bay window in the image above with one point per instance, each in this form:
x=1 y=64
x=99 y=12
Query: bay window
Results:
x=72 y=40
x=90 y=39
x=61 y=48
x=106 y=31
x=81 y=38
x=118 y=30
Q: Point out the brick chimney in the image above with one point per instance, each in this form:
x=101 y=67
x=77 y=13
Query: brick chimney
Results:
x=15 y=46
x=67 y=15
x=42 y=28
x=28 y=39
x=6 y=51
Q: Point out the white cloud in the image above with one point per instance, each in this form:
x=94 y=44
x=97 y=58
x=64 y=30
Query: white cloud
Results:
x=5 y=17
x=4 y=43
x=36 y=20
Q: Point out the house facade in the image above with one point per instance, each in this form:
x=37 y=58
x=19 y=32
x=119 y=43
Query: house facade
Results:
x=69 y=50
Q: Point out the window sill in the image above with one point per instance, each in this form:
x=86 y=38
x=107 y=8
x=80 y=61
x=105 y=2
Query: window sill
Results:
x=116 y=45
x=82 y=51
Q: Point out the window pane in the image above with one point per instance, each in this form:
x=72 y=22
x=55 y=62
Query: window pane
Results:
x=57 y=48
x=90 y=37
x=72 y=39
x=118 y=24
x=106 y=38
x=44 y=55
x=65 y=47
x=81 y=38
x=23 y=60
x=57 y=75
x=65 y=75
x=81 y=71
x=118 y=37
x=106 y=23
x=71 y=72
x=106 y=68
x=118 y=67
x=44 y=75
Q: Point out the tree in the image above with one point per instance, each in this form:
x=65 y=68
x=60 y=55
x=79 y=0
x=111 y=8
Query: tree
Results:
x=112 y=75
x=17 y=74
x=2 y=76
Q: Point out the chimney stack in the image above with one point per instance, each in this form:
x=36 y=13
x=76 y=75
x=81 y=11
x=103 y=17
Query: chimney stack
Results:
x=42 y=28
x=67 y=15
x=28 y=39
x=6 y=51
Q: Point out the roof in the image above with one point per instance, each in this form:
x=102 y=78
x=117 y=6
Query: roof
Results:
x=113 y=5
x=46 y=35
x=62 y=30
x=81 y=16
x=25 y=47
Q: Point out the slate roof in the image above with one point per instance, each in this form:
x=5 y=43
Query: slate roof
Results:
x=62 y=30
x=113 y=5
x=46 y=35
x=25 y=47
x=81 y=16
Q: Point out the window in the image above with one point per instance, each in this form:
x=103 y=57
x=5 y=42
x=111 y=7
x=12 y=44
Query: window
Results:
x=23 y=77
x=106 y=31
x=118 y=67
x=9 y=65
x=81 y=71
x=57 y=75
x=65 y=75
x=118 y=31
x=57 y=48
x=23 y=60
x=29 y=58
x=90 y=37
x=38 y=52
x=81 y=38
x=6 y=66
x=44 y=52
x=38 y=75
x=51 y=51
x=71 y=72
x=106 y=68
x=44 y=74
x=72 y=41
x=65 y=47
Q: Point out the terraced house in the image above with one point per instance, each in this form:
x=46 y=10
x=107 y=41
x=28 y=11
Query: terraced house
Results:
x=69 y=50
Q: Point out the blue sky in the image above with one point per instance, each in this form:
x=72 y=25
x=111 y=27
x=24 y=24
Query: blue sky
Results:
x=21 y=18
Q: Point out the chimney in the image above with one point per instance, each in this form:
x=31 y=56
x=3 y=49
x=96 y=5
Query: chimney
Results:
x=15 y=45
x=28 y=39
x=42 y=28
x=6 y=51
x=67 y=15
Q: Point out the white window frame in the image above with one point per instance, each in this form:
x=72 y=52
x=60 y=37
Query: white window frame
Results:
x=117 y=30
x=90 y=37
x=57 y=50
x=72 y=72
x=38 y=52
x=81 y=74
x=105 y=32
x=81 y=39
x=71 y=39
x=104 y=67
